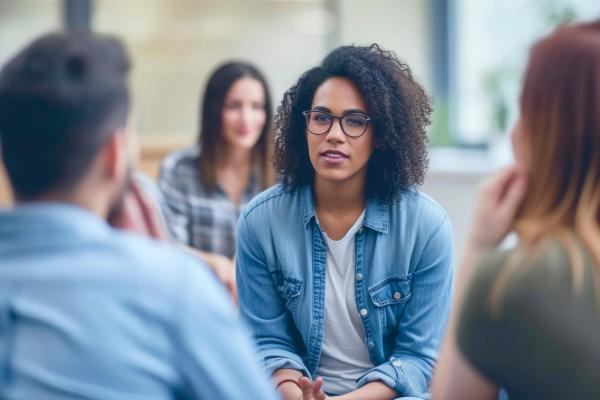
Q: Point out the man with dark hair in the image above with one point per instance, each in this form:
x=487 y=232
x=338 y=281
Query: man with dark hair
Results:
x=87 y=311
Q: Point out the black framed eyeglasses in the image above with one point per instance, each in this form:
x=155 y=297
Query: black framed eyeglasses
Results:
x=320 y=122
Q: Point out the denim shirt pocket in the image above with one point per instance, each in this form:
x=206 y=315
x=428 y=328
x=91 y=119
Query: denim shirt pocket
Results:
x=389 y=297
x=290 y=289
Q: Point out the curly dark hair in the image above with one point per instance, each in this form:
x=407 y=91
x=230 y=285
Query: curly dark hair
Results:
x=399 y=108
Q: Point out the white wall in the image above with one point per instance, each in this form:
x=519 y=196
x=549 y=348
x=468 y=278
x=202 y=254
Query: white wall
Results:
x=23 y=20
x=456 y=192
x=399 y=25
x=453 y=181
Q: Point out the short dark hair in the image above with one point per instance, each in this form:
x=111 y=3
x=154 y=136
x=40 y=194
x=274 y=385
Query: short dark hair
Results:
x=209 y=135
x=60 y=99
x=399 y=107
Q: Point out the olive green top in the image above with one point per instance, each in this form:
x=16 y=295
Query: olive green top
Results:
x=544 y=343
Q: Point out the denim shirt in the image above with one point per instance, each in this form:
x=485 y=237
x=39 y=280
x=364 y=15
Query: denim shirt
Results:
x=403 y=283
x=88 y=312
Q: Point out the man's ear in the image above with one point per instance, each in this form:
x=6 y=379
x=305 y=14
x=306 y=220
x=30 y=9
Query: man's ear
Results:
x=115 y=155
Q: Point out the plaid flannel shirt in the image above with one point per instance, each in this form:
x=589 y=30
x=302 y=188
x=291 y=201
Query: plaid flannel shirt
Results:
x=205 y=221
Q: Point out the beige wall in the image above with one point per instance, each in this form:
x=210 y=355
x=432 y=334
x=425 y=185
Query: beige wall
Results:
x=175 y=44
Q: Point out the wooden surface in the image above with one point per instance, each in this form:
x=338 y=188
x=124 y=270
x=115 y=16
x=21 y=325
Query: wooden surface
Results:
x=151 y=154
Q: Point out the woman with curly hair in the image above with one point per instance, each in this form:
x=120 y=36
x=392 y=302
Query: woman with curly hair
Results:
x=344 y=271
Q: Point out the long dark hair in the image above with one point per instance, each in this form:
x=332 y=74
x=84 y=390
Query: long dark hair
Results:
x=209 y=136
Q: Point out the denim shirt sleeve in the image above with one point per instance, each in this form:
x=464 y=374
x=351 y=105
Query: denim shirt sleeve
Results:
x=215 y=354
x=410 y=367
x=261 y=306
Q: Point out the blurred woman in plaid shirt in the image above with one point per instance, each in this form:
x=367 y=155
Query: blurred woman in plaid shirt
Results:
x=206 y=185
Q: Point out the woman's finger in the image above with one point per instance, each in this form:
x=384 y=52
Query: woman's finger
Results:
x=496 y=184
x=316 y=390
x=514 y=196
x=306 y=388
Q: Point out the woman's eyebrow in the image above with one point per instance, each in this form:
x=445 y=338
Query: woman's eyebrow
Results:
x=349 y=111
x=354 y=111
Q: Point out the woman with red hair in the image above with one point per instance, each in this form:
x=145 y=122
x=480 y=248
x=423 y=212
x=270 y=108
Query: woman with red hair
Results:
x=528 y=319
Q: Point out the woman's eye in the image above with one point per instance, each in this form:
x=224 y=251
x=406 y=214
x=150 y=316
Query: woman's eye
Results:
x=356 y=121
x=323 y=118
x=232 y=106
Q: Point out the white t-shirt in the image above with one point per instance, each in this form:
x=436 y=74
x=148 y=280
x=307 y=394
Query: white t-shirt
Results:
x=344 y=355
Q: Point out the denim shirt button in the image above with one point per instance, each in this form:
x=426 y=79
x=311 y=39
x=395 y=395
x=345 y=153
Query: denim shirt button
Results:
x=361 y=230
x=364 y=312
x=371 y=345
x=359 y=276
x=397 y=295
x=396 y=364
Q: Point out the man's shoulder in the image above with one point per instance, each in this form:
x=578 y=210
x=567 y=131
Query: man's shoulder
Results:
x=161 y=264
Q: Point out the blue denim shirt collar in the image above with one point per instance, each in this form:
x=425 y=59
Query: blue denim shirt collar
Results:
x=376 y=215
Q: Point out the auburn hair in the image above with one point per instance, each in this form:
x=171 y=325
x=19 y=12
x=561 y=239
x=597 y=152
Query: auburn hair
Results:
x=560 y=121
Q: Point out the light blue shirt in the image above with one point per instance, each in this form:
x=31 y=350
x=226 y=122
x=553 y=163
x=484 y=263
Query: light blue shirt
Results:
x=88 y=312
x=402 y=283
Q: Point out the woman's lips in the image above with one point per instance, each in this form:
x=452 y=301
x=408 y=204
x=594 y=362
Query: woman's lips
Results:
x=334 y=157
